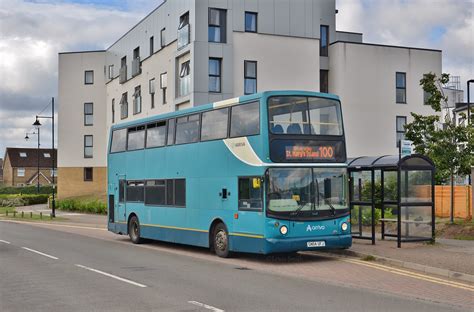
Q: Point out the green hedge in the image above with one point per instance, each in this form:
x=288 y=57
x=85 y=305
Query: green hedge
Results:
x=82 y=205
x=46 y=189
x=8 y=200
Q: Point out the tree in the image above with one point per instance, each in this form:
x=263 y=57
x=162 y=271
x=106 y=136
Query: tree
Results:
x=450 y=146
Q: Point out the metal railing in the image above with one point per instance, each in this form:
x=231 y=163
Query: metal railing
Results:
x=136 y=67
x=184 y=36
x=123 y=74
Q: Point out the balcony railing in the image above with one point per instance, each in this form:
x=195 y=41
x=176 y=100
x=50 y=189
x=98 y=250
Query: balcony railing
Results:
x=184 y=36
x=184 y=86
x=123 y=74
x=136 y=67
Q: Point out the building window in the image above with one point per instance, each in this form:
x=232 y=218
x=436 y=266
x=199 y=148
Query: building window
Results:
x=426 y=97
x=111 y=71
x=250 y=77
x=162 y=38
x=401 y=122
x=324 y=81
x=89 y=77
x=324 y=40
x=88 y=174
x=88 y=114
x=215 y=75
x=163 y=86
x=20 y=172
x=151 y=88
x=136 y=64
x=123 y=70
x=23 y=154
x=137 y=100
x=88 y=146
x=124 y=106
x=401 y=87
x=250 y=22
x=184 y=78
x=152 y=45
x=113 y=110
x=183 y=31
x=217 y=25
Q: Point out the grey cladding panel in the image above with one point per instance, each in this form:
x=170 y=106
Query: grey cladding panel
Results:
x=282 y=17
x=297 y=18
x=238 y=10
x=266 y=16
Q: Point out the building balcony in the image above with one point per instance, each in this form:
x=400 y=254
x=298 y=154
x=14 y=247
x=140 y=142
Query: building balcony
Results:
x=123 y=74
x=184 y=35
x=136 y=67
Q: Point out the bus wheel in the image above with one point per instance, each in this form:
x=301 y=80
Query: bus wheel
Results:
x=221 y=241
x=134 y=230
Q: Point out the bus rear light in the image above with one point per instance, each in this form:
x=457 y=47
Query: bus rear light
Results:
x=283 y=230
x=236 y=215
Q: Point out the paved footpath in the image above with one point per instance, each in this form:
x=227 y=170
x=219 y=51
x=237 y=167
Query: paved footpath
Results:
x=365 y=286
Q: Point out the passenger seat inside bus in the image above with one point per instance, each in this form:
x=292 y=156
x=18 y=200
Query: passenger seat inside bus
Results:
x=277 y=129
x=294 y=128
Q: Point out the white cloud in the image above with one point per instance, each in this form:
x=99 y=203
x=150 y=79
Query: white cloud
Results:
x=438 y=24
x=31 y=36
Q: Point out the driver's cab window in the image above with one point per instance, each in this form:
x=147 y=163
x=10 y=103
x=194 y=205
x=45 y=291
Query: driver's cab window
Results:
x=250 y=194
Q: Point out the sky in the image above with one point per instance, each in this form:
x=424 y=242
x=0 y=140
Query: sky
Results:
x=32 y=32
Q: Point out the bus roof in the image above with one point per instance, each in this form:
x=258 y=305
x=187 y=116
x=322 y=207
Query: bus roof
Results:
x=224 y=103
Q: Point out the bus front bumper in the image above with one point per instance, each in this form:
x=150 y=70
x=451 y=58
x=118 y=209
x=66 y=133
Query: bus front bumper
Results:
x=276 y=245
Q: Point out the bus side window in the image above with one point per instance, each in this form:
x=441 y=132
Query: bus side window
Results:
x=250 y=194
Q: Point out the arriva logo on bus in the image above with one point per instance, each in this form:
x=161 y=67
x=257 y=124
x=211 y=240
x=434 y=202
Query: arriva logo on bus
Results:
x=311 y=228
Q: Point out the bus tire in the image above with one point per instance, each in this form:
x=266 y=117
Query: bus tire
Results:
x=220 y=241
x=134 y=230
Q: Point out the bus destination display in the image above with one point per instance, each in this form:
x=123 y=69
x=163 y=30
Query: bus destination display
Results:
x=296 y=152
x=307 y=150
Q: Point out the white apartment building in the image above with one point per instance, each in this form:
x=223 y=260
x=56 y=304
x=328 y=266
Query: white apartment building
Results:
x=191 y=52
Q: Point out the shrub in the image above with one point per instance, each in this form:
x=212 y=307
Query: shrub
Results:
x=8 y=200
x=82 y=205
x=45 y=189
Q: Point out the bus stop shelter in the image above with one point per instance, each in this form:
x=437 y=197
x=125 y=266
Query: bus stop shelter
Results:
x=394 y=193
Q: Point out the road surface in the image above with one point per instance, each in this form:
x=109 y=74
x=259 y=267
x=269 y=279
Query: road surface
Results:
x=67 y=268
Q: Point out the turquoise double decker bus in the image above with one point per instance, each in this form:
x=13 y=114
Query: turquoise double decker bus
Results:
x=263 y=173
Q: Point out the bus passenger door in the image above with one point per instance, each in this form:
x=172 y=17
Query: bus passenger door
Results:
x=250 y=206
x=121 y=211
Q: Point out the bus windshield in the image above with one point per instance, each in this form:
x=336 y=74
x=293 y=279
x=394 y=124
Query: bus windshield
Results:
x=304 y=115
x=294 y=190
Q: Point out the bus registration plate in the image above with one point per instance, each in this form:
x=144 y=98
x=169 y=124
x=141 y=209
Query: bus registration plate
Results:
x=316 y=244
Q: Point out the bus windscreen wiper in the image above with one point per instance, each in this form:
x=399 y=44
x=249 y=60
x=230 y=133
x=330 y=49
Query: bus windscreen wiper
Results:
x=329 y=203
x=297 y=211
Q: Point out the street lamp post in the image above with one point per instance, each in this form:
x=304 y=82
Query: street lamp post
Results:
x=37 y=124
x=38 y=156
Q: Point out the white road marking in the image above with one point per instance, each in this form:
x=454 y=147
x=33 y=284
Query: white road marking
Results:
x=206 y=306
x=40 y=253
x=52 y=224
x=4 y=241
x=111 y=275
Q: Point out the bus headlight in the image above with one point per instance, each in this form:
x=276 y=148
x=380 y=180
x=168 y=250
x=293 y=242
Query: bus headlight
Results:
x=283 y=230
x=344 y=226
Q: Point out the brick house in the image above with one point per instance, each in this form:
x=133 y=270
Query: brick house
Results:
x=20 y=166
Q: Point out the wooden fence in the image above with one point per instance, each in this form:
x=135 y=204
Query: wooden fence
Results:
x=462 y=201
